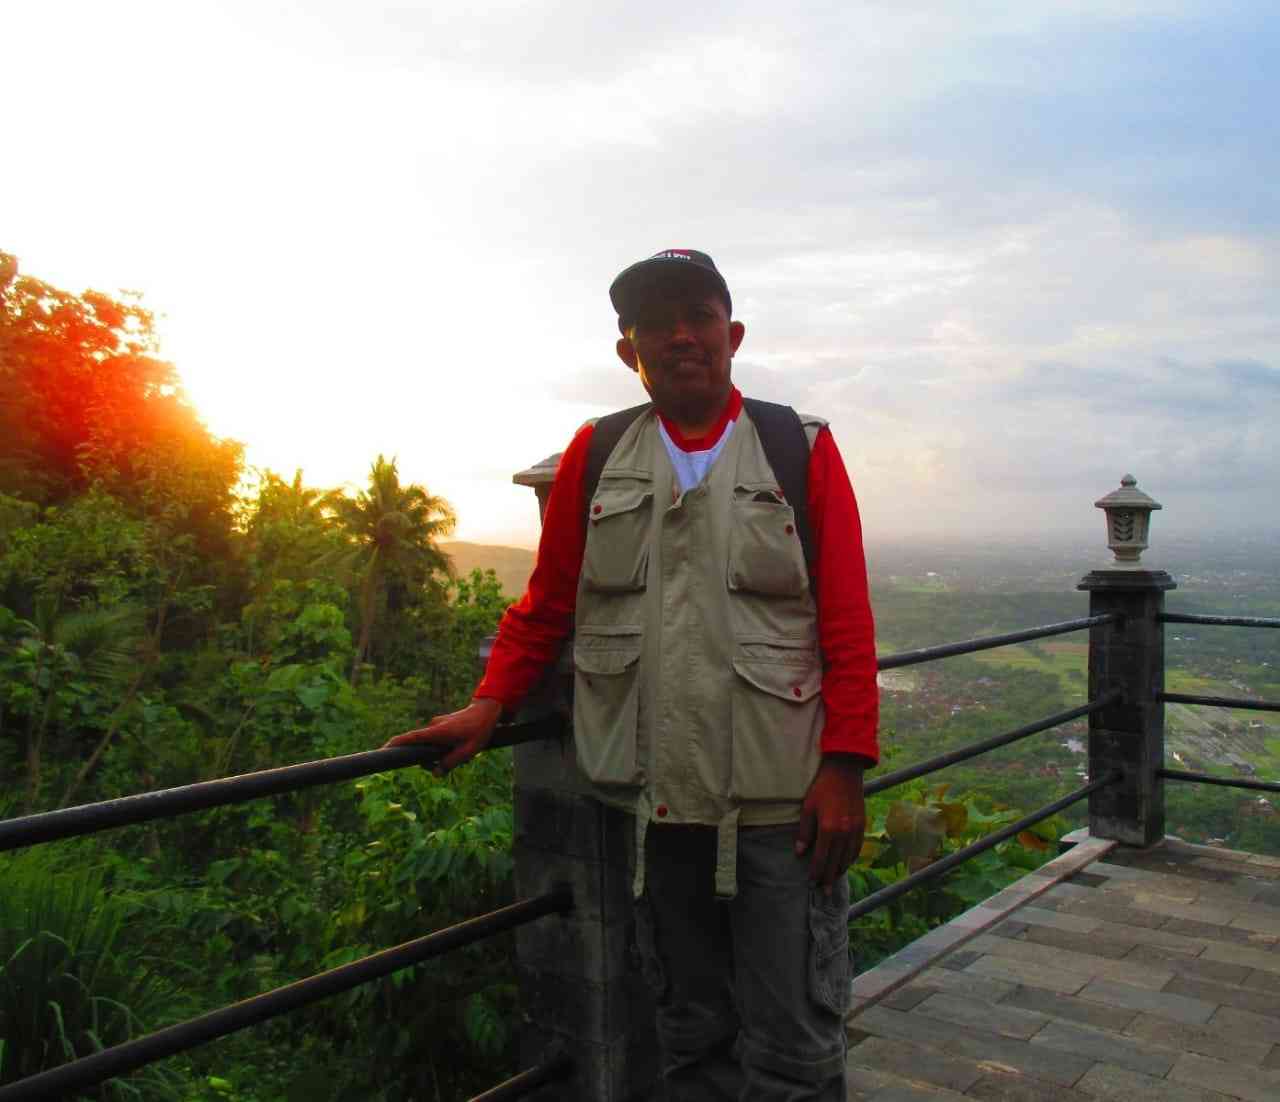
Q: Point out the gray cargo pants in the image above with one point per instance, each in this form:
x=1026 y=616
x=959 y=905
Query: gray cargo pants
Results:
x=752 y=992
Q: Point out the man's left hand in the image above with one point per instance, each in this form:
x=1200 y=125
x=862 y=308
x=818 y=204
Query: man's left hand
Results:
x=832 y=820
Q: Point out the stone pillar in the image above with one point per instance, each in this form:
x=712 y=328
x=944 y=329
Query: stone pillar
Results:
x=581 y=989
x=1129 y=733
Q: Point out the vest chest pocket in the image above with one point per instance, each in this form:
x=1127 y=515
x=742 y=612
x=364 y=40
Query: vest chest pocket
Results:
x=606 y=697
x=777 y=712
x=765 y=555
x=617 y=552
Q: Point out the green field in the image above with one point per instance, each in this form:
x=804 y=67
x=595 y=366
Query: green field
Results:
x=1068 y=662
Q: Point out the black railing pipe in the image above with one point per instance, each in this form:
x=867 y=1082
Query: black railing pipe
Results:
x=989 y=642
x=974 y=749
x=1227 y=782
x=944 y=865
x=1221 y=702
x=550 y=1071
x=61 y=1081
x=165 y=803
x=1219 y=621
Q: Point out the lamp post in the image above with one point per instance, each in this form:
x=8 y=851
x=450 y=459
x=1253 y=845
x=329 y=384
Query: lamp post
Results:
x=1127 y=654
x=1128 y=515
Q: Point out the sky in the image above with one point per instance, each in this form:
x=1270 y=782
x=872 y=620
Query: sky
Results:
x=1010 y=251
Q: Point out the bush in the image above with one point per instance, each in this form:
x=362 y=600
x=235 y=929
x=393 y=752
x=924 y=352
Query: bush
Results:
x=66 y=989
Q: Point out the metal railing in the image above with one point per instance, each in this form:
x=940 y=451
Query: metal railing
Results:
x=944 y=865
x=1242 y=704
x=121 y=1059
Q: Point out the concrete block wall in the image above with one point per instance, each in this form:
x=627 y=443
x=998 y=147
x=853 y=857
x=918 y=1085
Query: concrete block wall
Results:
x=580 y=982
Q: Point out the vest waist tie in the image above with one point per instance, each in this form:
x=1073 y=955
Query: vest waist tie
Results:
x=727 y=856
x=644 y=809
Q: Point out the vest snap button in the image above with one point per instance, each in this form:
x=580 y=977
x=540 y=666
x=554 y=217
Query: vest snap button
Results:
x=661 y=811
x=795 y=690
x=790 y=529
x=597 y=508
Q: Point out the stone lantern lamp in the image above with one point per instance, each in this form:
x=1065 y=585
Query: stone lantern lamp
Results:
x=1128 y=512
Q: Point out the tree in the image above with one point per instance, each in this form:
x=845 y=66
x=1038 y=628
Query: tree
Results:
x=391 y=532
x=85 y=398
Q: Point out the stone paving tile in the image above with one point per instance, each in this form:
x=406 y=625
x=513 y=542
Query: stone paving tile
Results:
x=1241 y=890
x=959 y=960
x=1260 y=1002
x=1264 y=981
x=1268 y=894
x=1258 y=921
x=1066 y=890
x=908 y=997
x=1180 y=1008
x=1094 y=944
x=1252 y=1084
x=1035 y=975
x=910 y=1094
x=1113 y=871
x=1137 y=974
x=1010 y=928
x=1031 y=915
x=1100 y=907
x=1104 y=1048
x=1273 y=1058
x=1196 y=912
x=1250 y=956
x=1207 y=1040
x=1008 y=1021
x=886 y=976
x=866 y=1083
x=1244 y=1024
x=1086 y=879
x=1213 y=932
x=1196 y=968
x=1070 y=1008
x=1198 y=849
x=1176 y=889
x=978 y=1045
x=1009 y=1086
x=916 y=1063
x=1109 y=1082
x=1146 y=935
x=1206 y=870
x=964 y=983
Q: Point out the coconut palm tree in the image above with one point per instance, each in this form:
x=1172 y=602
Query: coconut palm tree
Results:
x=390 y=528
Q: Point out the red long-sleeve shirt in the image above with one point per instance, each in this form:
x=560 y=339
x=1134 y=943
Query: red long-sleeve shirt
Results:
x=532 y=630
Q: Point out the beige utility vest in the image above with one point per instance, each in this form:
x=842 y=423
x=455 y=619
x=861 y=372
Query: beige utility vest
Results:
x=697 y=669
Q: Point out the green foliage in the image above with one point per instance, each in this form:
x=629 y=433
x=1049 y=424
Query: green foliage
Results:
x=68 y=986
x=912 y=831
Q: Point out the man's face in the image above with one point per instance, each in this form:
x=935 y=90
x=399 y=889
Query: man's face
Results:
x=681 y=342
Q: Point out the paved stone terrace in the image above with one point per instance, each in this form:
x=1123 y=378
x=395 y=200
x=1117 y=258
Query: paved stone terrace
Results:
x=1144 y=975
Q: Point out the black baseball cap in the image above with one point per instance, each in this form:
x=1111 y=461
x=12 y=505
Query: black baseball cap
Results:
x=631 y=284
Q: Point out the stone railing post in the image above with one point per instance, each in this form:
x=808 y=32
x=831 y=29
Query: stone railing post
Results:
x=1127 y=655
x=580 y=992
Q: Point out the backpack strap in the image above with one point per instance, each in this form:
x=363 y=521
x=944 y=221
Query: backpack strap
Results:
x=605 y=435
x=786 y=447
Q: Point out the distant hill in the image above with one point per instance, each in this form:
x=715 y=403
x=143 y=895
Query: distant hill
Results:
x=513 y=565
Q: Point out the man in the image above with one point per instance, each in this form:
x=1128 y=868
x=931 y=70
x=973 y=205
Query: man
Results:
x=724 y=694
